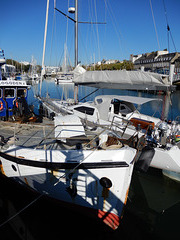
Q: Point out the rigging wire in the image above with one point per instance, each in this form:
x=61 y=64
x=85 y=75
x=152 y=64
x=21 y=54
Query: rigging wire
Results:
x=154 y=23
x=65 y=56
x=97 y=30
x=92 y=31
x=22 y=210
x=114 y=22
x=152 y=12
x=53 y=27
x=168 y=29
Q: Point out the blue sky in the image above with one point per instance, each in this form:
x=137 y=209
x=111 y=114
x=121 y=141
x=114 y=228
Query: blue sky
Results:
x=129 y=29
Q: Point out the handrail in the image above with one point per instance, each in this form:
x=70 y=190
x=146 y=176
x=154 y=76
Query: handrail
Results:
x=59 y=125
x=46 y=136
x=123 y=119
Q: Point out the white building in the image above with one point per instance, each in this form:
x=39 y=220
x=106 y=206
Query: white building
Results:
x=8 y=70
x=25 y=63
x=51 y=69
x=133 y=58
x=111 y=61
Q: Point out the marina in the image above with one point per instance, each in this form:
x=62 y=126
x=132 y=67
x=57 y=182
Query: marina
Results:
x=143 y=186
x=91 y=150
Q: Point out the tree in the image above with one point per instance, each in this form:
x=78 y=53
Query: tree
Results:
x=128 y=65
x=21 y=67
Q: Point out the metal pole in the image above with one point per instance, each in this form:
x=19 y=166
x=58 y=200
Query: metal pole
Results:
x=44 y=46
x=76 y=33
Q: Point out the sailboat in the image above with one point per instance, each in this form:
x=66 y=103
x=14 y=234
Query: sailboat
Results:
x=102 y=111
x=66 y=76
x=33 y=75
x=88 y=171
x=120 y=114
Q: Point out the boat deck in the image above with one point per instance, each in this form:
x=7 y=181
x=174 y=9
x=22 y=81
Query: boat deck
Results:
x=39 y=135
x=21 y=133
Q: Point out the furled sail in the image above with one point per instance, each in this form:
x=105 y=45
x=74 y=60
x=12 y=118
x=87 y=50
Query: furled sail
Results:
x=122 y=79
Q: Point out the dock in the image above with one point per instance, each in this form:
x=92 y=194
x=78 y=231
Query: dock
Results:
x=21 y=133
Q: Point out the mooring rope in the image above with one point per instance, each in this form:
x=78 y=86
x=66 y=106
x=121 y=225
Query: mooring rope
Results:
x=20 y=211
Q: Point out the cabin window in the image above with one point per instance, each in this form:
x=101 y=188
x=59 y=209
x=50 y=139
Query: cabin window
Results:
x=0 y=93
x=86 y=110
x=9 y=92
x=21 y=92
x=121 y=107
x=125 y=109
x=99 y=100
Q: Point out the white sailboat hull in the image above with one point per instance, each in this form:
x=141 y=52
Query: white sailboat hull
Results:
x=99 y=185
x=167 y=159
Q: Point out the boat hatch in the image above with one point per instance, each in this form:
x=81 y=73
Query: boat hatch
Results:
x=99 y=100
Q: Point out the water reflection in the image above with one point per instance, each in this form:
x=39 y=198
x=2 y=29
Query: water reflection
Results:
x=63 y=91
x=152 y=211
x=156 y=199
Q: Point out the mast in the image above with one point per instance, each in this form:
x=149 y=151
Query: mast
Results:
x=76 y=33
x=44 y=47
x=76 y=49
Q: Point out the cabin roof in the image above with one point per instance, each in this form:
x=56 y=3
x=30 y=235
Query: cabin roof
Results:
x=130 y=99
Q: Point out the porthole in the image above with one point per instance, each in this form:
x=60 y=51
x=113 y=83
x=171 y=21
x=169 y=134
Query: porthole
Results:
x=14 y=168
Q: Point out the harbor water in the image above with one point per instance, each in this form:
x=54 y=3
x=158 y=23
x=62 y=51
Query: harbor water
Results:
x=153 y=205
x=171 y=109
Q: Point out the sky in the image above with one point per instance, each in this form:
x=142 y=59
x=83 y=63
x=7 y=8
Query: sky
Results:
x=129 y=29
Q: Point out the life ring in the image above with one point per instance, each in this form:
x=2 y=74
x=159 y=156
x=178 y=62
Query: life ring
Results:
x=1 y=106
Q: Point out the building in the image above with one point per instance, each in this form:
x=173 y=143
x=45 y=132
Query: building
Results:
x=25 y=63
x=111 y=61
x=52 y=69
x=158 y=61
x=133 y=58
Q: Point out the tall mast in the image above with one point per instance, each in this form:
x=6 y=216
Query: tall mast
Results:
x=76 y=33
x=44 y=47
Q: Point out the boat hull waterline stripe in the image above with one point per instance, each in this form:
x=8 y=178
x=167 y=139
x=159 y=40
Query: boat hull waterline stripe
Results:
x=64 y=165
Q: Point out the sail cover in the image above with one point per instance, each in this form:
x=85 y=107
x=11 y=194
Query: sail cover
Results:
x=122 y=79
